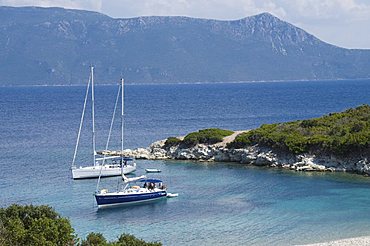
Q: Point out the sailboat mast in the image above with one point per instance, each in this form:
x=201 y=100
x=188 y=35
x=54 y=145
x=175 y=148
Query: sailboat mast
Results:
x=122 y=112
x=93 y=112
x=109 y=135
x=81 y=123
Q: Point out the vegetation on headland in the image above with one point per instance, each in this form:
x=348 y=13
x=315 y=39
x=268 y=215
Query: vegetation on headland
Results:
x=342 y=133
x=205 y=136
x=172 y=141
x=41 y=225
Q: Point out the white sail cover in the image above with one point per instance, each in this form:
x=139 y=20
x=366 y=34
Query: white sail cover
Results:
x=128 y=180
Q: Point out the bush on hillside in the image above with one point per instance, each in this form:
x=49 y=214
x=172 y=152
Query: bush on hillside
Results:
x=206 y=136
x=34 y=225
x=97 y=239
x=40 y=225
x=94 y=239
x=172 y=141
x=337 y=133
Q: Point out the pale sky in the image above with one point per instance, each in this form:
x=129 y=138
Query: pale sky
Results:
x=344 y=23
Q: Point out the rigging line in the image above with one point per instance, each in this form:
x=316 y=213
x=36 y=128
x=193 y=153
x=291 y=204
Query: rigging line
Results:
x=122 y=122
x=81 y=122
x=109 y=135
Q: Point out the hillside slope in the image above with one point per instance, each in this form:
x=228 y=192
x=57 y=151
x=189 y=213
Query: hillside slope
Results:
x=56 y=46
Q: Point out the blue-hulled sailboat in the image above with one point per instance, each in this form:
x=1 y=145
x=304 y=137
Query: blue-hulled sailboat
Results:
x=151 y=189
x=127 y=193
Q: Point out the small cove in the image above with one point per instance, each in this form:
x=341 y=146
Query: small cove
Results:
x=219 y=203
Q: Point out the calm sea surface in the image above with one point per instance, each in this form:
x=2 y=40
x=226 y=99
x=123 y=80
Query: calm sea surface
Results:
x=218 y=204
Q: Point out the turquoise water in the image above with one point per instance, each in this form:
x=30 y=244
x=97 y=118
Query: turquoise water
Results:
x=219 y=203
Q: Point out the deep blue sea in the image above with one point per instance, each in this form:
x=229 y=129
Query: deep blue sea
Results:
x=218 y=204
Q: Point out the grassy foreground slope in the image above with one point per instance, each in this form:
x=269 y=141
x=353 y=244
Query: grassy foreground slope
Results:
x=40 y=225
x=341 y=134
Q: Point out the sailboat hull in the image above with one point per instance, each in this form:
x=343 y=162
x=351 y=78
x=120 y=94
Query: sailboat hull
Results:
x=110 y=199
x=106 y=171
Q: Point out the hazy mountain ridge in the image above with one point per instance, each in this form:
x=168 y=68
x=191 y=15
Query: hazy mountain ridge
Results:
x=56 y=46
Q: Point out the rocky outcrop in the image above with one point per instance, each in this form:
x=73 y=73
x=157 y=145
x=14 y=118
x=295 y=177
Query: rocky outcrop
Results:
x=253 y=155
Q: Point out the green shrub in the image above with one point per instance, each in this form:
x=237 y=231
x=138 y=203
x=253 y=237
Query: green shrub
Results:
x=172 y=141
x=94 y=239
x=206 y=136
x=97 y=239
x=40 y=225
x=34 y=225
x=242 y=140
x=337 y=133
x=130 y=240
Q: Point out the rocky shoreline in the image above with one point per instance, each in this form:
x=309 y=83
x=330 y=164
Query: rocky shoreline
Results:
x=253 y=155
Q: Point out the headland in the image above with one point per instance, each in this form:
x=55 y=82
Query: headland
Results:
x=338 y=142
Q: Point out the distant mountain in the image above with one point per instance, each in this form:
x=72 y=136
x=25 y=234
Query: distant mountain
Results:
x=56 y=46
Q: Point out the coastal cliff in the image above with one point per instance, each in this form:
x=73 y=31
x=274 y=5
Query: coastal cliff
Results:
x=253 y=155
x=337 y=142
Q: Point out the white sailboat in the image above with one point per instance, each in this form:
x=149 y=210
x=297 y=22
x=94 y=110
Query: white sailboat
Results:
x=102 y=166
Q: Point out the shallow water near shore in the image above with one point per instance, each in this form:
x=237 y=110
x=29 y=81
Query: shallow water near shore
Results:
x=219 y=203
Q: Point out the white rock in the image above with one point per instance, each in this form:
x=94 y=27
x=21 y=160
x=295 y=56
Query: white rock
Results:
x=254 y=155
